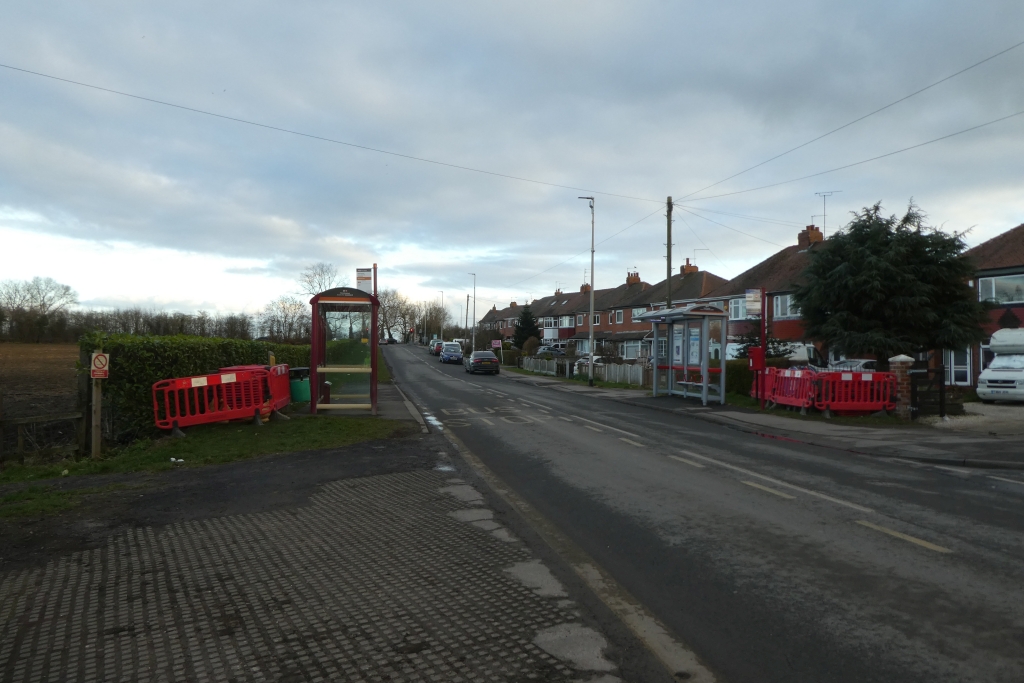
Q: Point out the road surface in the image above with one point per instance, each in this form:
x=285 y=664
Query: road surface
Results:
x=772 y=559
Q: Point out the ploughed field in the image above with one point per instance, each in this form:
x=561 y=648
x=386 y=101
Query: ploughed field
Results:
x=38 y=379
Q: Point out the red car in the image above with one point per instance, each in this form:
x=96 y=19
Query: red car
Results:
x=435 y=347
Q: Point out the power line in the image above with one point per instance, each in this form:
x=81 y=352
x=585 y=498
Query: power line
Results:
x=321 y=138
x=749 y=218
x=687 y=224
x=861 y=118
x=731 y=228
x=863 y=161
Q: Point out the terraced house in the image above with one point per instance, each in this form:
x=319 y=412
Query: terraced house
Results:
x=999 y=271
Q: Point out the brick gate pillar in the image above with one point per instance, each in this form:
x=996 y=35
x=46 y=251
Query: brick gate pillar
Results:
x=900 y=366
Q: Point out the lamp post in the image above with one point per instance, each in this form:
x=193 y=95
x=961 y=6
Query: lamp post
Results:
x=472 y=335
x=441 y=336
x=591 y=325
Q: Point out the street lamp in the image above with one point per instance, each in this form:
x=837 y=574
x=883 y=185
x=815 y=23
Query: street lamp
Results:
x=472 y=335
x=591 y=325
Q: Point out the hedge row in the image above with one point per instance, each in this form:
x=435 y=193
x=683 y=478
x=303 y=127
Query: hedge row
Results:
x=136 y=363
x=739 y=377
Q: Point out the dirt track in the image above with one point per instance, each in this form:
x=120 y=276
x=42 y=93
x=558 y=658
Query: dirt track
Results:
x=38 y=379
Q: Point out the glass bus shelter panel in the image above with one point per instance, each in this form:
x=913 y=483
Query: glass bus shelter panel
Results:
x=347 y=375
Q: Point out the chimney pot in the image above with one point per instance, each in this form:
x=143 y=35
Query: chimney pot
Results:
x=688 y=268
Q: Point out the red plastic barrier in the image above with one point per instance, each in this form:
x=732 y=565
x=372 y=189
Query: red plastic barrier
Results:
x=768 y=382
x=280 y=385
x=856 y=392
x=794 y=388
x=211 y=398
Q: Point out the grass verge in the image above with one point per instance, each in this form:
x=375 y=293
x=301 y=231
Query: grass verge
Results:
x=746 y=401
x=35 y=501
x=220 y=443
x=383 y=371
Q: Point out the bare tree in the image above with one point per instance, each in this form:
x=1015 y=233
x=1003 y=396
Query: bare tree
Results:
x=42 y=295
x=285 y=319
x=392 y=303
x=319 y=277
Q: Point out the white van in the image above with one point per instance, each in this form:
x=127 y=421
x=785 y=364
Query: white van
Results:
x=1003 y=379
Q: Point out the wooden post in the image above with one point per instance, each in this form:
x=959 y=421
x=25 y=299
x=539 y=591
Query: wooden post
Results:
x=97 y=426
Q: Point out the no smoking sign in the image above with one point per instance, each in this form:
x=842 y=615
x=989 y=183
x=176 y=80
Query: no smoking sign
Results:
x=100 y=366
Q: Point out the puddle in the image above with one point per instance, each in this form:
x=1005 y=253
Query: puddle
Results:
x=582 y=647
x=443 y=467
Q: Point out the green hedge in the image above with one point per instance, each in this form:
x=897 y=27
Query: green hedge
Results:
x=739 y=377
x=136 y=363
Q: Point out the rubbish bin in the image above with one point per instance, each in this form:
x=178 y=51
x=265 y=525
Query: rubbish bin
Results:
x=300 y=389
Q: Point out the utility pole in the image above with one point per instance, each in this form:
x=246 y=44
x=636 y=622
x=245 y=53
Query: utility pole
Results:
x=668 y=256
x=824 y=214
x=591 y=325
x=472 y=335
x=467 y=312
x=441 y=336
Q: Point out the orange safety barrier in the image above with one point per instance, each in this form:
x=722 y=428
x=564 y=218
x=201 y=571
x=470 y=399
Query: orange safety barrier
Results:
x=793 y=388
x=768 y=381
x=856 y=392
x=278 y=380
x=191 y=401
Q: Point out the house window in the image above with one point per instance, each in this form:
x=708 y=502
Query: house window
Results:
x=618 y=317
x=958 y=367
x=549 y=322
x=579 y=320
x=637 y=312
x=737 y=309
x=566 y=321
x=596 y=320
x=662 y=348
x=785 y=306
x=1008 y=289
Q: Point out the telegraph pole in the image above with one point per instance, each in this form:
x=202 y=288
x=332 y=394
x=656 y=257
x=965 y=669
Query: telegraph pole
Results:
x=591 y=325
x=668 y=256
x=472 y=334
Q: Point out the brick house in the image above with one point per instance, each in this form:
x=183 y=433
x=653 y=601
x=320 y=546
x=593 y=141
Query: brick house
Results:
x=999 y=278
x=779 y=275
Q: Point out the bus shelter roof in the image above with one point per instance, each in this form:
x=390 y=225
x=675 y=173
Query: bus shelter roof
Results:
x=344 y=299
x=675 y=315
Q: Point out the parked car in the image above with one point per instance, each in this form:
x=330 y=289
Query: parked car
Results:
x=482 y=361
x=854 y=365
x=451 y=353
x=549 y=351
x=435 y=347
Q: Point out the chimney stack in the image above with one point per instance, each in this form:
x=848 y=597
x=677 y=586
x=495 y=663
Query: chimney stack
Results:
x=632 y=278
x=809 y=235
x=585 y=288
x=512 y=305
x=688 y=268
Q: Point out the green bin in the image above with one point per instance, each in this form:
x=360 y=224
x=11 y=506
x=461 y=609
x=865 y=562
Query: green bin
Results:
x=300 y=390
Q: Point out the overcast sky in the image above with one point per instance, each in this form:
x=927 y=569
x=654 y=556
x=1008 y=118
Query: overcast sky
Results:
x=131 y=202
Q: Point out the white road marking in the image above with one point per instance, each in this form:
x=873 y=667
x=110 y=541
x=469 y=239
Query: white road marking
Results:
x=780 y=494
x=688 y=462
x=634 y=443
x=955 y=470
x=614 y=429
x=905 y=537
x=837 y=501
x=564 y=418
x=1009 y=481
x=486 y=420
x=594 y=428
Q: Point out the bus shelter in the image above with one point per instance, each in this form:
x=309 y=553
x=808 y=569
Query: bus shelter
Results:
x=343 y=351
x=694 y=336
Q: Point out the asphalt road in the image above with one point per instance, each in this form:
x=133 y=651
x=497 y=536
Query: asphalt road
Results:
x=772 y=559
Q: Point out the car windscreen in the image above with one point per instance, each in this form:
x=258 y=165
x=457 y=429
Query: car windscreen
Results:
x=1013 y=361
x=452 y=348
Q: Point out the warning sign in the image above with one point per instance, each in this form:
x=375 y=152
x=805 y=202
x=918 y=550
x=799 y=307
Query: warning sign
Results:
x=100 y=366
x=495 y=343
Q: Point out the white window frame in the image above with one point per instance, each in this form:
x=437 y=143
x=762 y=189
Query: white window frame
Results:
x=951 y=368
x=986 y=289
x=618 y=317
x=579 y=319
x=783 y=306
x=596 y=319
x=637 y=312
x=737 y=309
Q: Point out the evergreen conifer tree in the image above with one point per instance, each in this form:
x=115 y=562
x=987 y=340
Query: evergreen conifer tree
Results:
x=526 y=327
x=885 y=286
